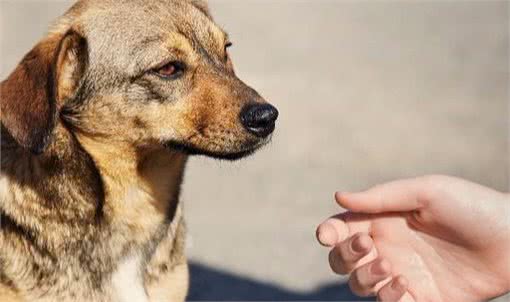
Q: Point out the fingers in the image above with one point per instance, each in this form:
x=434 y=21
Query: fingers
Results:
x=332 y=231
x=346 y=255
x=339 y=227
x=364 y=279
x=397 y=196
x=394 y=290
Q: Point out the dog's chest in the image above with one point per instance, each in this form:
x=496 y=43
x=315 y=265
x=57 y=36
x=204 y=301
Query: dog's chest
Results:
x=127 y=281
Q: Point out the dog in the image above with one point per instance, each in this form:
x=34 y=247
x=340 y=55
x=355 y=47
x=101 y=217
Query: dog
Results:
x=97 y=123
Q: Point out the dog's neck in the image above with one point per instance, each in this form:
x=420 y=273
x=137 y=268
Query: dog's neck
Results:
x=141 y=183
x=86 y=197
x=83 y=178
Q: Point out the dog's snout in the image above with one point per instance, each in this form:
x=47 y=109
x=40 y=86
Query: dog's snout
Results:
x=259 y=119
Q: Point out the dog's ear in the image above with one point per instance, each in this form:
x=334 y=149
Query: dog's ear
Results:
x=202 y=6
x=34 y=92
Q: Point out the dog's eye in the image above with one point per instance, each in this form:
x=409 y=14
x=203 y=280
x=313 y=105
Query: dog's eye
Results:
x=227 y=46
x=170 y=70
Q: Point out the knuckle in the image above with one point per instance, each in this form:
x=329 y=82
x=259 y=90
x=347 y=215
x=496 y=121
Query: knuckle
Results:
x=434 y=180
x=434 y=185
x=363 y=283
x=357 y=288
x=332 y=261
x=336 y=263
x=381 y=297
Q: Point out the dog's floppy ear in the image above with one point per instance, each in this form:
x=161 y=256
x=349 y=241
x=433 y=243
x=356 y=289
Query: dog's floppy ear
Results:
x=202 y=6
x=32 y=95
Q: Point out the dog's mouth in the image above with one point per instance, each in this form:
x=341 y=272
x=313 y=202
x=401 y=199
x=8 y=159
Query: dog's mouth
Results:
x=190 y=149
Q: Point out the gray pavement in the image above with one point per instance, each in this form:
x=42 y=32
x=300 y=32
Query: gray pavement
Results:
x=368 y=91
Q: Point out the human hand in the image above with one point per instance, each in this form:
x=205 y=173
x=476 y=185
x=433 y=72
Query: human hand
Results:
x=433 y=238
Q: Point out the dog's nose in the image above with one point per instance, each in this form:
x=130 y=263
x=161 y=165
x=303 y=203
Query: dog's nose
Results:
x=259 y=119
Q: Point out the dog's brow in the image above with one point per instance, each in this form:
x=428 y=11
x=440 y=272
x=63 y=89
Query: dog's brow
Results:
x=152 y=50
x=226 y=36
x=180 y=41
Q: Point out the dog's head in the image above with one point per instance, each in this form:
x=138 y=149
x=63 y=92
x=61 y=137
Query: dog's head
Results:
x=140 y=72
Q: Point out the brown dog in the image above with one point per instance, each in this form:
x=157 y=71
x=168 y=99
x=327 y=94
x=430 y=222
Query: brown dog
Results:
x=97 y=123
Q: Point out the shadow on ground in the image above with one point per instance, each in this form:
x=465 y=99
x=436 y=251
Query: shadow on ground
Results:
x=209 y=284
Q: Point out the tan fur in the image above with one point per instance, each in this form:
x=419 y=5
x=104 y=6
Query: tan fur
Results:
x=8 y=295
x=94 y=145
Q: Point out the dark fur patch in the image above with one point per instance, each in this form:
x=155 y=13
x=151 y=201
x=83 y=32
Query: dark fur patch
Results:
x=28 y=95
x=27 y=106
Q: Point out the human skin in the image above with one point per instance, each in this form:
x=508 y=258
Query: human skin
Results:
x=432 y=238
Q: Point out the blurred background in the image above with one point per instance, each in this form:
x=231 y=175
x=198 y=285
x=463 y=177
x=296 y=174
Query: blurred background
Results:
x=368 y=91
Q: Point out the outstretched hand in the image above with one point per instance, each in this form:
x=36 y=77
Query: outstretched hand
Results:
x=433 y=238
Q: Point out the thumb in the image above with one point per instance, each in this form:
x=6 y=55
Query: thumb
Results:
x=397 y=196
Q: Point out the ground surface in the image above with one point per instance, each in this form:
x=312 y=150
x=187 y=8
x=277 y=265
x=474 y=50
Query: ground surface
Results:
x=368 y=91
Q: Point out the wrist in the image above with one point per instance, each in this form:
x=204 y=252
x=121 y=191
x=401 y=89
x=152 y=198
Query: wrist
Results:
x=505 y=246
x=496 y=251
x=507 y=262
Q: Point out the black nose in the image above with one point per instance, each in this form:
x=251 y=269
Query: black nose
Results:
x=259 y=119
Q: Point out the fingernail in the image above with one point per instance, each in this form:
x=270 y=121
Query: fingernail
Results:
x=326 y=234
x=342 y=194
x=337 y=195
x=361 y=244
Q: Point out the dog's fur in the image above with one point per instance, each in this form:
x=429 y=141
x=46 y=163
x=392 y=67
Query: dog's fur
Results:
x=94 y=144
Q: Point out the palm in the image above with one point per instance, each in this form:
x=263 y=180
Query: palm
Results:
x=430 y=264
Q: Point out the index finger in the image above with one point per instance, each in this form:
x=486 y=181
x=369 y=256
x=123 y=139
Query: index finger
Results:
x=397 y=196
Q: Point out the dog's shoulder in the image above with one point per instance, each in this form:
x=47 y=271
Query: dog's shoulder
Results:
x=9 y=295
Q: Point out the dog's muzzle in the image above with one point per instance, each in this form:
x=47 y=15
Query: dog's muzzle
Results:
x=259 y=119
